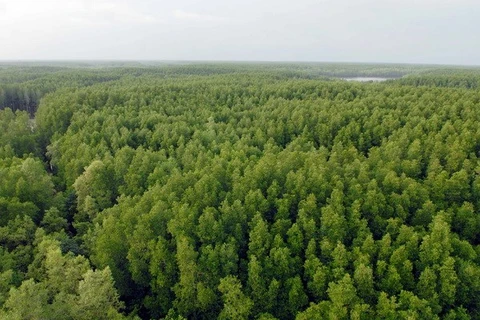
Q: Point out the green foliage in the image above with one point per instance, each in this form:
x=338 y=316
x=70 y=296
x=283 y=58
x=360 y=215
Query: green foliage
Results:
x=26 y=189
x=66 y=288
x=17 y=136
x=236 y=304
x=239 y=191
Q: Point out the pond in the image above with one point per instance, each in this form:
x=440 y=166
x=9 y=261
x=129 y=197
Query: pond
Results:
x=367 y=79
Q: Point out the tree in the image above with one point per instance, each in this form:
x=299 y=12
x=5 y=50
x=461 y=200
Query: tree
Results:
x=343 y=296
x=95 y=190
x=28 y=301
x=97 y=297
x=236 y=304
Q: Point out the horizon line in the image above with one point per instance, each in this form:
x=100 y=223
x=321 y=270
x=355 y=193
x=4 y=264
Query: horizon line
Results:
x=237 y=61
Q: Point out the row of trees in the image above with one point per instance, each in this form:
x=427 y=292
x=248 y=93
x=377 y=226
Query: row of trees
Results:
x=468 y=79
x=22 y=85
x=245 y=195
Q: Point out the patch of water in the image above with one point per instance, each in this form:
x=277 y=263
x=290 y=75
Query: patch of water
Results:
x=367 y=79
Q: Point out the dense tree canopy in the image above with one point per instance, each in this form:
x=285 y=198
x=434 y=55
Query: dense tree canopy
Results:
x=236 y=191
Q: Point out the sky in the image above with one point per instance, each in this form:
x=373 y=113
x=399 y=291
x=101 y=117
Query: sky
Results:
x=396 y=31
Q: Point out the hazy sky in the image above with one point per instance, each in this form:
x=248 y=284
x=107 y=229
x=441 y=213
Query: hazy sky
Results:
x=416 y=31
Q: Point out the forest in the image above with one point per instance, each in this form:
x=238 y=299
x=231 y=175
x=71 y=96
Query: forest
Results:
x=239 y=191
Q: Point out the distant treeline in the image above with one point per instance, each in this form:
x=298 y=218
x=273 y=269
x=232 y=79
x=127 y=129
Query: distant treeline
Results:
x=468 y=79
x=22 y=85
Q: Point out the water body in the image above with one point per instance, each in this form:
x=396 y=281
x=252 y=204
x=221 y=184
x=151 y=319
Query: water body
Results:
x=367 y=79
